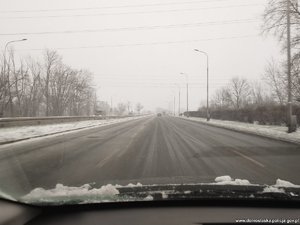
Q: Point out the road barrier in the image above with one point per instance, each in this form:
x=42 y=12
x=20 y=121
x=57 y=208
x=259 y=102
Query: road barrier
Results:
x=28 y=121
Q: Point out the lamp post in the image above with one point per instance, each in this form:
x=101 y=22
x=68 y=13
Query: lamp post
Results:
x=178 y=98
x=24 y=39
x=174 y=106
x=4 y=53
x=187 y=92
x=207 y=84
x=4 y=70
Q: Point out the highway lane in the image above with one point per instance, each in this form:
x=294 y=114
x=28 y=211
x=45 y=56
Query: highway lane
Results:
x=147 y=150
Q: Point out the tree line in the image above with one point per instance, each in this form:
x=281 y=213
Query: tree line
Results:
x=275 y=23
x=49 y=87
x=246 y=101
x=46 y=87
x=121 y=109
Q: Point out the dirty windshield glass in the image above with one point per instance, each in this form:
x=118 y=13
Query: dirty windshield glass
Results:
x=140 y=100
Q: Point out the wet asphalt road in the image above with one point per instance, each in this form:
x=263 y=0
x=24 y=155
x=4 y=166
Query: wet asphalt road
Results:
x=147 y=150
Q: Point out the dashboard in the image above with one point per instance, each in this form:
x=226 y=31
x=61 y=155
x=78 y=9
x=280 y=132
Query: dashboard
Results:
x=149 y=213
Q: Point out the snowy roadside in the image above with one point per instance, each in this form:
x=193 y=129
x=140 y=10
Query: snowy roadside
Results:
x=275 y=132
x=13 y=134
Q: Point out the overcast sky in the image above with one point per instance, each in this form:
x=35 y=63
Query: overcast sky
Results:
x=137 y=49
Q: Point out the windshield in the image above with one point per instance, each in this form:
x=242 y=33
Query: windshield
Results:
x=125 y=100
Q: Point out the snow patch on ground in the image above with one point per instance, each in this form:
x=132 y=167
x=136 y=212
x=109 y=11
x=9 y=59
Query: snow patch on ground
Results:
x=272 y=131
x=18 y=133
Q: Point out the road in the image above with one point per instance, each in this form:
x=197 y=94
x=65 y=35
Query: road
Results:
x=147 y=150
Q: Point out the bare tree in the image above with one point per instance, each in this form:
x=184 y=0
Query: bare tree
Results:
x=50 y=60
x=276 y=79
x=274 y=20
x=121 y=108
x=239 y=92
x=47 y=88
x=275 y=23
x=128 y=104
x=139 y=107
x=103 y=106
x=222 y=98
x=35 y=95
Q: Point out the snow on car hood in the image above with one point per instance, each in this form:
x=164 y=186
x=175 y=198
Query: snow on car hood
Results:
x=225 y=186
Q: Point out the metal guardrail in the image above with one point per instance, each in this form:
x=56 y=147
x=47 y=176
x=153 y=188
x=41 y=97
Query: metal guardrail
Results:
x=27 y=121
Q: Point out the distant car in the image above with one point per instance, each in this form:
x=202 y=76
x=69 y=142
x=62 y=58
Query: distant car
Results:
x=158 y=114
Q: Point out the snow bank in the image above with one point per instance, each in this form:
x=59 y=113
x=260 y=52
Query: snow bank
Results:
x=11 y=134
x=272 y=131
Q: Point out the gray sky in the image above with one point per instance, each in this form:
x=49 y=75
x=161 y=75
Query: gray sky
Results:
x=138 y=48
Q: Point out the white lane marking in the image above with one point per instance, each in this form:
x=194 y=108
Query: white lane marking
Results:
x=250 y=159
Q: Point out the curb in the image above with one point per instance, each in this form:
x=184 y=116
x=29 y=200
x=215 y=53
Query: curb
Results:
x=247 y=132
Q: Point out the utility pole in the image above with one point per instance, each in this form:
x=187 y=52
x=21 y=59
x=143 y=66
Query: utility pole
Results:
x=179 y=103
x=289 y=105
x=178 y=86
x=174 y=105
x=111 y=106
x=187 y=93
x=187 y=98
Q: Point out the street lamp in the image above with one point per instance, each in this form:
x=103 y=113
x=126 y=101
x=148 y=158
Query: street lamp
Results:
x=24 y=39
x=187 y=92
x=5 y=62
x=178 y=98
x=207 y=87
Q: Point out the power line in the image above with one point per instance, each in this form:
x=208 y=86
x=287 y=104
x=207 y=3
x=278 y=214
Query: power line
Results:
x=170 y=26
x=161 y=85
x=111 y=7
x=131 y=13
x=147 y=44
